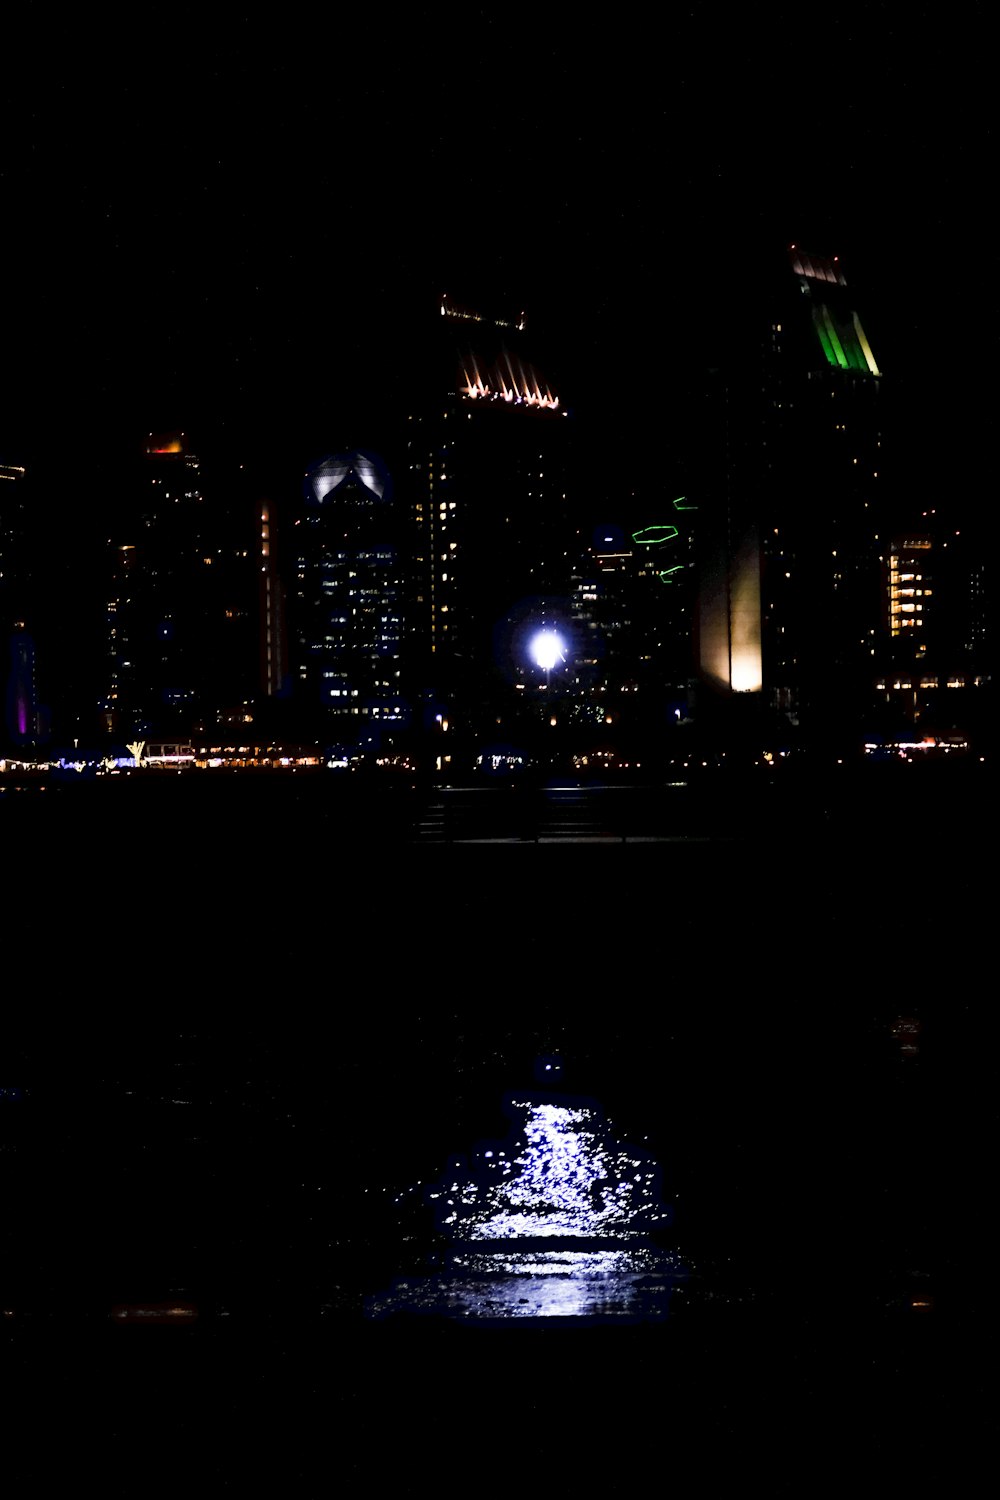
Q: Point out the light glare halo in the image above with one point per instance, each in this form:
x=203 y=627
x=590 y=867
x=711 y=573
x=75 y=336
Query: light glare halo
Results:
x=547 y=649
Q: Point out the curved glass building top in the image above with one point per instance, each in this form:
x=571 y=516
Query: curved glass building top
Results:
x=327 y=477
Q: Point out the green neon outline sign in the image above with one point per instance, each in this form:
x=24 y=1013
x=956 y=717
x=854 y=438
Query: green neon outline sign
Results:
x=643 y=539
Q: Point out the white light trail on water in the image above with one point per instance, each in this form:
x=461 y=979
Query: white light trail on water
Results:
x=561 y=1178
x=568 y=1178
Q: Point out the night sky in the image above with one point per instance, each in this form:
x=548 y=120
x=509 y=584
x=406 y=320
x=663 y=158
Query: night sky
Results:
x=240 y=226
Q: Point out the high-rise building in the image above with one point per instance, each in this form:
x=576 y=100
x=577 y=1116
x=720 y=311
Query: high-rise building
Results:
x=909 y=591
x=13 y=557
x=347 y=598
x=154 y=604
x=933 y=672
x=273 y=634
x=182 y=601
x=22 y=717
x=487 y=485
x=25 y=719
x=793 y=524
x=631 y=616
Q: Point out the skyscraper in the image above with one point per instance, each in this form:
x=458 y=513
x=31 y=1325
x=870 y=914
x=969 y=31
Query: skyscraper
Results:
x=182 y=601
x=631 y=613
x=347 y=605
x=790 y=601
x=273 y=638
x=22 y=717
x=13 y=558
x=153 y=614
x=487 y=487
x=934 y=672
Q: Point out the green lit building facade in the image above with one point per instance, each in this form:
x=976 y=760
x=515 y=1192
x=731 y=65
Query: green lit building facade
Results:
x=790 y=603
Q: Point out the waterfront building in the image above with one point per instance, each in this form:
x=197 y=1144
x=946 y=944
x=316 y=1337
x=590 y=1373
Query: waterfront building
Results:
x=793 y=522
x=488 y=498
x=631 y=618
x=182 y=627
x=22 y=721
x=347 y=597
x=273 y=634
x=25 y=721
x=934 y=673
x=13 y=547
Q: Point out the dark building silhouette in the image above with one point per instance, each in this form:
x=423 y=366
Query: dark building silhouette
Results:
x=183 y=650
x=488 y=498
x=272 y=607
x=25 y=719
x=632 y=602
x=793 y=523
x=13 y=543
x=22 y=720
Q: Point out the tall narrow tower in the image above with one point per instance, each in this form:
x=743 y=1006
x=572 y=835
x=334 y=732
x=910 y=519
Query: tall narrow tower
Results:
x=156 y=597
x=790 y=598
x=488 y=495
x=347 y=596
x=182 y=651
x=17 y=649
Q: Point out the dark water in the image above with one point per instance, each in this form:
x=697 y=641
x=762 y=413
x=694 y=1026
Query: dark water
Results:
x=239 y=1033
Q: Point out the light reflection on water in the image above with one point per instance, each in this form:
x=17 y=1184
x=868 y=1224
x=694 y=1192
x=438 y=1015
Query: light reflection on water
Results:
x=564 y=1175
x=626 y=1284
x=579 y=1263
x=561 y=1177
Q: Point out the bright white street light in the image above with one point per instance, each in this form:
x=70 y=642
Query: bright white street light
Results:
x=547 y=649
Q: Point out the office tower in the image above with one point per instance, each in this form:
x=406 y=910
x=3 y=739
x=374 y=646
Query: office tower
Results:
x=793 y=525
x=25 y=721
x=154 y=605
x=934 y=672
x=182 y=602
x=19 y=667
x=487 y=487
x=347 y=598
x=602 y=603
x=236 y=668
x=13 y=553
x=273 y=635
x=631 y=608
x=909 y=593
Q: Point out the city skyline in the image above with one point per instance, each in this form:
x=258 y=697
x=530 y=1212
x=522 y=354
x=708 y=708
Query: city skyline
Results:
x=196 y=241
x=519 y=549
